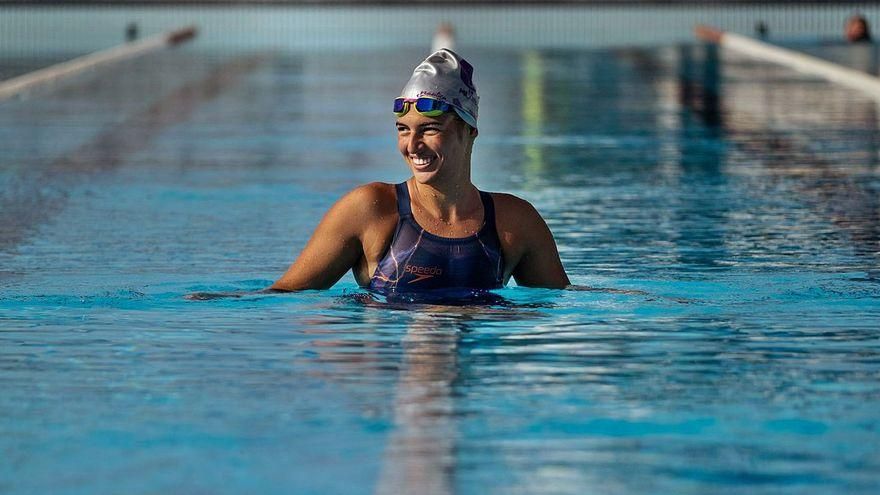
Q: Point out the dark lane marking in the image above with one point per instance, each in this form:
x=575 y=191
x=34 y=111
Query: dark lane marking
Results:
x=33 y=199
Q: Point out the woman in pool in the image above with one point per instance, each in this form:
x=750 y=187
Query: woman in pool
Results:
x=436 y=231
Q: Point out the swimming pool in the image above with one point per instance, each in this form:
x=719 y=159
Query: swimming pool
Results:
x=742 y=199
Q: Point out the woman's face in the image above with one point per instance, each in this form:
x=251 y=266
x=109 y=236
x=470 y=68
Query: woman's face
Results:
x=434 y=148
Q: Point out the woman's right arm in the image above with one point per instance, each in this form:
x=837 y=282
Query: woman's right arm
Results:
x=335 y=246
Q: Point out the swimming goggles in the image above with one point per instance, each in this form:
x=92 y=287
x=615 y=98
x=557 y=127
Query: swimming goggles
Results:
x=428 y=107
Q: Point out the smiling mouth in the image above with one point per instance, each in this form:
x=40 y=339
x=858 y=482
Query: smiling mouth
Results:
x=421 y=162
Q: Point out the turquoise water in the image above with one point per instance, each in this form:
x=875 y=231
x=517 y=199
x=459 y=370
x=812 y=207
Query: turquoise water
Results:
x=724 y=214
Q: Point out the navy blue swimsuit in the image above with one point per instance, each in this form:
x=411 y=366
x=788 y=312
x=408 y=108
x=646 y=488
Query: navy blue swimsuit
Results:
x=418 y=261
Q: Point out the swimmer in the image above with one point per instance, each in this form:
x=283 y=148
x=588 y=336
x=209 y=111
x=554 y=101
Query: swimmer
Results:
x=857 y=29
x=435 y=230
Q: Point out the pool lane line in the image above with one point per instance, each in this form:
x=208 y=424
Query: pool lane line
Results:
x=44 y=194
x=807 y=64
x=21 y=84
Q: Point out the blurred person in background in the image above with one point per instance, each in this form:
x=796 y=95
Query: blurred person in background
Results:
x=857 y=30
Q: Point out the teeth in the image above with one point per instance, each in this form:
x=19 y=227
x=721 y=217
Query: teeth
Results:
x=418 y=160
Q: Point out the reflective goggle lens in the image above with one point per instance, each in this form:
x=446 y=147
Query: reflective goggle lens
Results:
x=399 y=106
x=428 y=107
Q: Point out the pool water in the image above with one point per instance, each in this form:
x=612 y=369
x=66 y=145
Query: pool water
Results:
x=720 y=216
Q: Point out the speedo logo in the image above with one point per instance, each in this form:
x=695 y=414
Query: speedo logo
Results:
x=422 y=272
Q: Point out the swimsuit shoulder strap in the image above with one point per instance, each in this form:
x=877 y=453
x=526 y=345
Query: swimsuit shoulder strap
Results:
x=404 y=209
x=488 y=210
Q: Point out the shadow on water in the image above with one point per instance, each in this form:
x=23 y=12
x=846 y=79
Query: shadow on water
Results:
x=212 y=296
x=469 y=301
x=456 y=300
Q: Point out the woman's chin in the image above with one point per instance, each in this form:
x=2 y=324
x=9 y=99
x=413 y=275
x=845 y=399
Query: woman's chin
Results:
x=424 y=176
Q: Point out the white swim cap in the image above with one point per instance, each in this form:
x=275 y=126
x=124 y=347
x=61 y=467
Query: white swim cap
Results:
x=447 y=77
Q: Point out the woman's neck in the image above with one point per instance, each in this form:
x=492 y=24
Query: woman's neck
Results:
x=448 y=204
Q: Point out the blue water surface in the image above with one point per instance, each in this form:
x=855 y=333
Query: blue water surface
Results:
x=719 y=216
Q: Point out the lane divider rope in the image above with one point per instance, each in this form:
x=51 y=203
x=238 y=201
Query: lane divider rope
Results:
x=17 y=86
x=807 y=64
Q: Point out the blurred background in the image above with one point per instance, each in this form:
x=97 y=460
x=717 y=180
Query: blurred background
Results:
x=723 y=211
x=38 y=26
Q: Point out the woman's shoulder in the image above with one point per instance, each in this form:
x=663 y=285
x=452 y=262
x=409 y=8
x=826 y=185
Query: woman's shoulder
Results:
x=372 y=199
x=518 y=222
x=374 y=190
x=513 y=208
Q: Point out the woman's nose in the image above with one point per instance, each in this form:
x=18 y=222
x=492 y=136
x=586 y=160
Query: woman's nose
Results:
x=414 y=144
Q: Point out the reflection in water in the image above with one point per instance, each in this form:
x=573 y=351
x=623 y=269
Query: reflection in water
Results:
x=701 y=166
x=533 y=111
x=700 y=83
x=626 y=175
x=424 y=345
x=420 y=455
x=815 y=140
x=617 y=187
